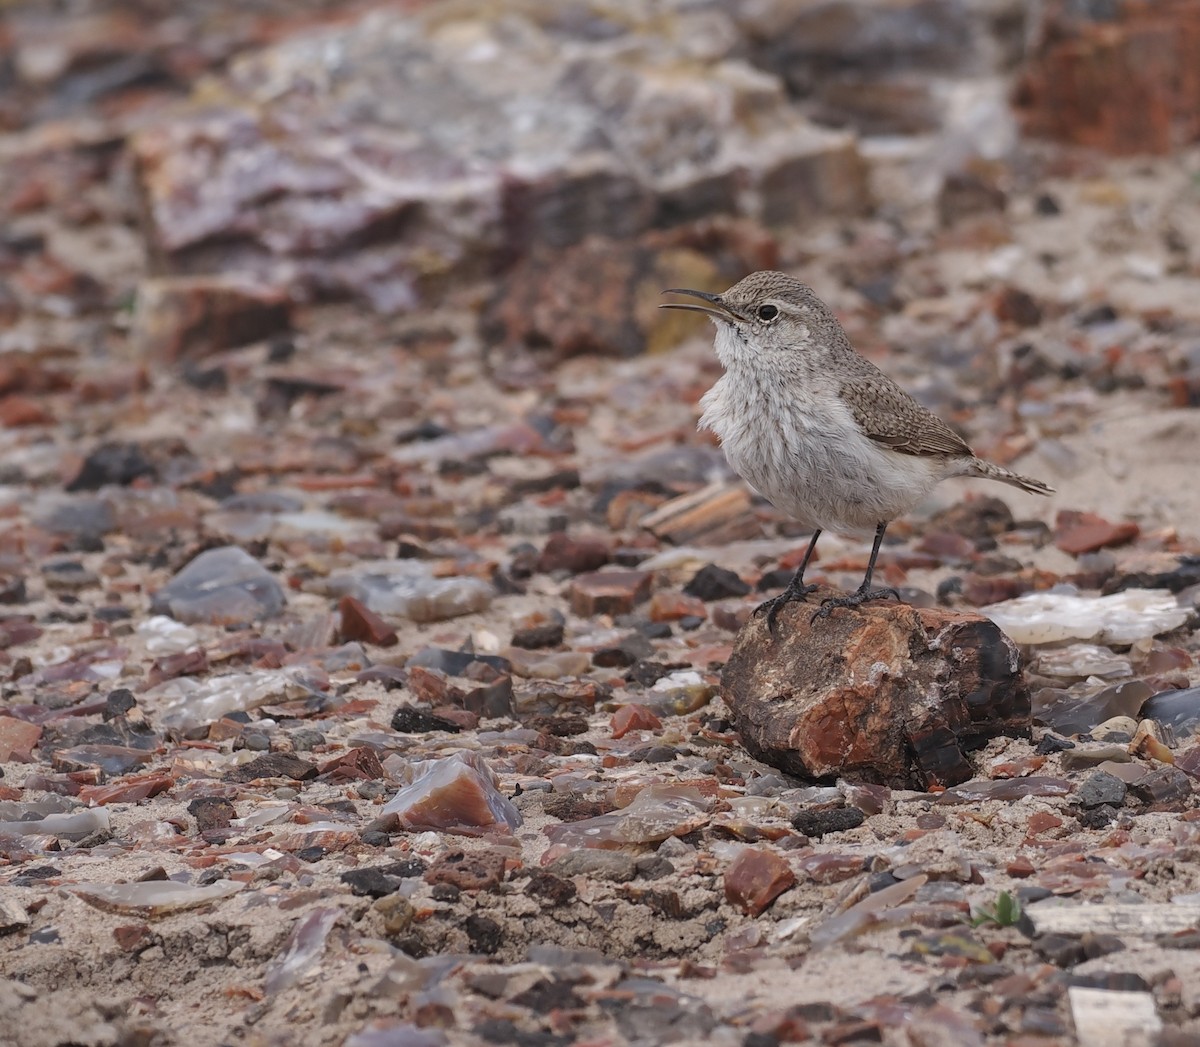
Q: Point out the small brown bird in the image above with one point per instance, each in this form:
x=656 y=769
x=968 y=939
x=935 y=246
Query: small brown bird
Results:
x=819 y=430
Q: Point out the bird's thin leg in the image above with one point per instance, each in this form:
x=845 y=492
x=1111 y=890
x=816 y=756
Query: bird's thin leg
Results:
x=796 y=591
x=864 y=591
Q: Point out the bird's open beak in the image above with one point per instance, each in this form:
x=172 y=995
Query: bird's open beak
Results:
x=715 y=306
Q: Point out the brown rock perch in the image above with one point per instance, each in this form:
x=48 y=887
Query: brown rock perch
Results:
x=882 y=693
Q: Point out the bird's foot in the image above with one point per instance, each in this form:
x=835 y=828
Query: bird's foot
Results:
x=772 y=607
x=854 y=599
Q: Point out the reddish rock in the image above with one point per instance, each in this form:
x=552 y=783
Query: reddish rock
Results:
x=17 y=410
x=756 y=878
x=576 y=555
x=670 y=607
x=1077 y=533
x=1125 y=82
x=17 y=739
x=354 y=765
x=458 y=794
x=475 y=871
x=128 y=791
x=360 y=623
x=431 y=686
x=131 y=935
x=634 y=717
x=188 y=317
x=1013 y=306
x=1020 y=867
x=608 y=592
x=883 y=693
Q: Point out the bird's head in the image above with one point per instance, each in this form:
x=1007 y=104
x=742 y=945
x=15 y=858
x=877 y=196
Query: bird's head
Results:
x=767 y=311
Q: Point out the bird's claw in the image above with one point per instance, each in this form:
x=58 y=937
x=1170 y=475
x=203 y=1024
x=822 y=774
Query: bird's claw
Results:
x=854 y=599
x=772 y=607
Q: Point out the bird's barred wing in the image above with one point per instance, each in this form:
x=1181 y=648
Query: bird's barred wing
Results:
x=889 y=416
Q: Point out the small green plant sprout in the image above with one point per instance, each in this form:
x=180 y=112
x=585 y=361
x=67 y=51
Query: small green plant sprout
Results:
x=1005 y=912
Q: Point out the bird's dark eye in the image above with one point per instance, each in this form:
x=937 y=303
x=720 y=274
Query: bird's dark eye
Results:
x=767 y=312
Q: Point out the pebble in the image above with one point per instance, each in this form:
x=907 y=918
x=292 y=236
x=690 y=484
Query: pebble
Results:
x=223 y=586
x=456 y=794
x=573 y=555
x=1099 y=789
x=359 y=622
x=756 y=878
x=715 y=583
x=818 y=823
x=538 y=630
x=608 y=592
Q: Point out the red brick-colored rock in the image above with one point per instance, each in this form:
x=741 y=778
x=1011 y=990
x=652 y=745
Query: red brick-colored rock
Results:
x=756 y=878
x=634 y=717
x=883 y=693
x=1041 y=821
x=474 y=871
x=17 y=411
x=360 y=623
x=129 y=936
x=670 y=607
x=17 y=739
x=1020 y=867
x=127 y=791
x=1127 y=84
x=576 y=555
x=355 y=765
x=608 y=592
x=1076 y=532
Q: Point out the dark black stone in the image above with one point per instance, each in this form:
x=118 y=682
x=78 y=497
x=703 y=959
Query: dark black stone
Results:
x=1183 y=575
x=112 y=463
x=715 y=583
x=372 y=882
x=547 y=634
x=1097 y=817
x=554 y=889
x=445 y=892
x=1059 y=949
x=485 y=934
x=409 y=719
x=1046 y=205
x=654 y=754
x=1052 y=743
x=118 y=703
x=832 y=820
x=1101 y=789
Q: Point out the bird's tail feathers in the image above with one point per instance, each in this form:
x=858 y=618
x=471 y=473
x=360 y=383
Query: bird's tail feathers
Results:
x=990 y=471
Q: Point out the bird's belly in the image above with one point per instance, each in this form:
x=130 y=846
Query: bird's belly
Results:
x=815 y=465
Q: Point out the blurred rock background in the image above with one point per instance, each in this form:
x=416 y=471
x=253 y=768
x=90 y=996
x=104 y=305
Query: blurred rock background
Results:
x=999 y=197
x=550 y=165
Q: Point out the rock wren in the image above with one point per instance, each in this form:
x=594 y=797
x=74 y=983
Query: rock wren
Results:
x=819 y=430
